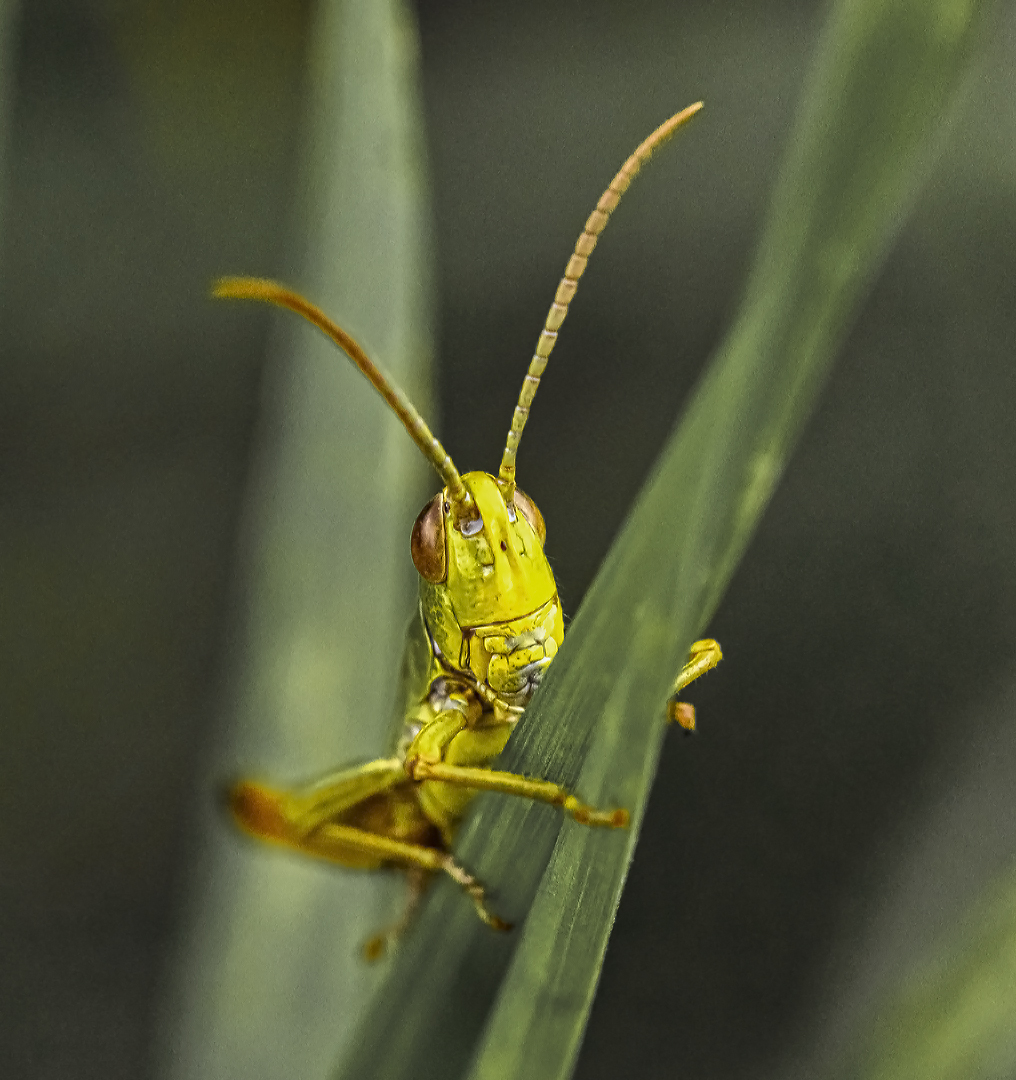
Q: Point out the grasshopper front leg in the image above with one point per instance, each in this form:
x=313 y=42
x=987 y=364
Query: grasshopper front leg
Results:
x=483 y=779
x=450 y=752
x=703 y=657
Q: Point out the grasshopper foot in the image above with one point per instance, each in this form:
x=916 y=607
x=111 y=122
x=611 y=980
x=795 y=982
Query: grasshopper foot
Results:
x=476 y=893
x=587 y=815
x=683 y=714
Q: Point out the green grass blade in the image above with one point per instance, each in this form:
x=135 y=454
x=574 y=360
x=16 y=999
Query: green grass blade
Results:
x=865 y=135
x=953 y=1020
x=8 y=30
x=459 y=999
x=268 y=983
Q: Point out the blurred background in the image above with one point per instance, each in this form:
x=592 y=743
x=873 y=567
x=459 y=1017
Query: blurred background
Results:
x=850 y=792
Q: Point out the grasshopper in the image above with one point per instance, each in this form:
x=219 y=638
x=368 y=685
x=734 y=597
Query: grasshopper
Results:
x=487 y=626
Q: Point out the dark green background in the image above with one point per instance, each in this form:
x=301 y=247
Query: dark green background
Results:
x=850 y=788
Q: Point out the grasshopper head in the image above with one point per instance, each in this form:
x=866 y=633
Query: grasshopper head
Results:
x=485 y=577
x=487 y=591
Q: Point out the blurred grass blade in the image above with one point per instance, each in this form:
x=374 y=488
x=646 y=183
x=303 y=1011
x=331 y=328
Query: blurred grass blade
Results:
x=8 y=51
x=267 y=984
x=954 y=1020
x=868 y=124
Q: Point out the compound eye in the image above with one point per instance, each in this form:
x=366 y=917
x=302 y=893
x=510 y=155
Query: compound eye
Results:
x=427 y=543
x=527 y=508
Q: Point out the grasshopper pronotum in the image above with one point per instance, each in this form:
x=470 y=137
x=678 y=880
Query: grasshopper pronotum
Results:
x=488 y=624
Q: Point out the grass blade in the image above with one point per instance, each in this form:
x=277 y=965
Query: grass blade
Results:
x=460 y=1000
x=953 y=1020
x=8 y=29
x=267 y=983
x=867 y=128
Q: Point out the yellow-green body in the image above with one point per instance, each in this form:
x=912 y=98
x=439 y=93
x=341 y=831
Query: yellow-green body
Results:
x=478 y=648
x=474 y=652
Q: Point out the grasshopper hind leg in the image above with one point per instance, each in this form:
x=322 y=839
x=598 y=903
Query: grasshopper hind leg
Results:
x=386 y=829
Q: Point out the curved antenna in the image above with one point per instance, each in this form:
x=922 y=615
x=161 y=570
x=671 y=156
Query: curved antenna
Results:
x=271 y=292
x=566 y=290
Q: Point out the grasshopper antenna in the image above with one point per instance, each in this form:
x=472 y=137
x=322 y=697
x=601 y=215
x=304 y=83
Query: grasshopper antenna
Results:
x=566 y=290
x=271 y=292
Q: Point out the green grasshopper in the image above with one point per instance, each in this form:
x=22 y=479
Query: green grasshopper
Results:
x=488 y=624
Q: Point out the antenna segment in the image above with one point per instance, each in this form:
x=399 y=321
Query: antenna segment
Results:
x=271 y=292
x=566 y=290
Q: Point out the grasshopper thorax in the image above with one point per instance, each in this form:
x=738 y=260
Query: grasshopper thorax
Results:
x=486 y=589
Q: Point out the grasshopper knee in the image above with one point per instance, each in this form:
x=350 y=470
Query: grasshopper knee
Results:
x=258 y=811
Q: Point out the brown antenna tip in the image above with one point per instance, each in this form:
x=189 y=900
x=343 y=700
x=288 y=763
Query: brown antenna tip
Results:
x=569 y=284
